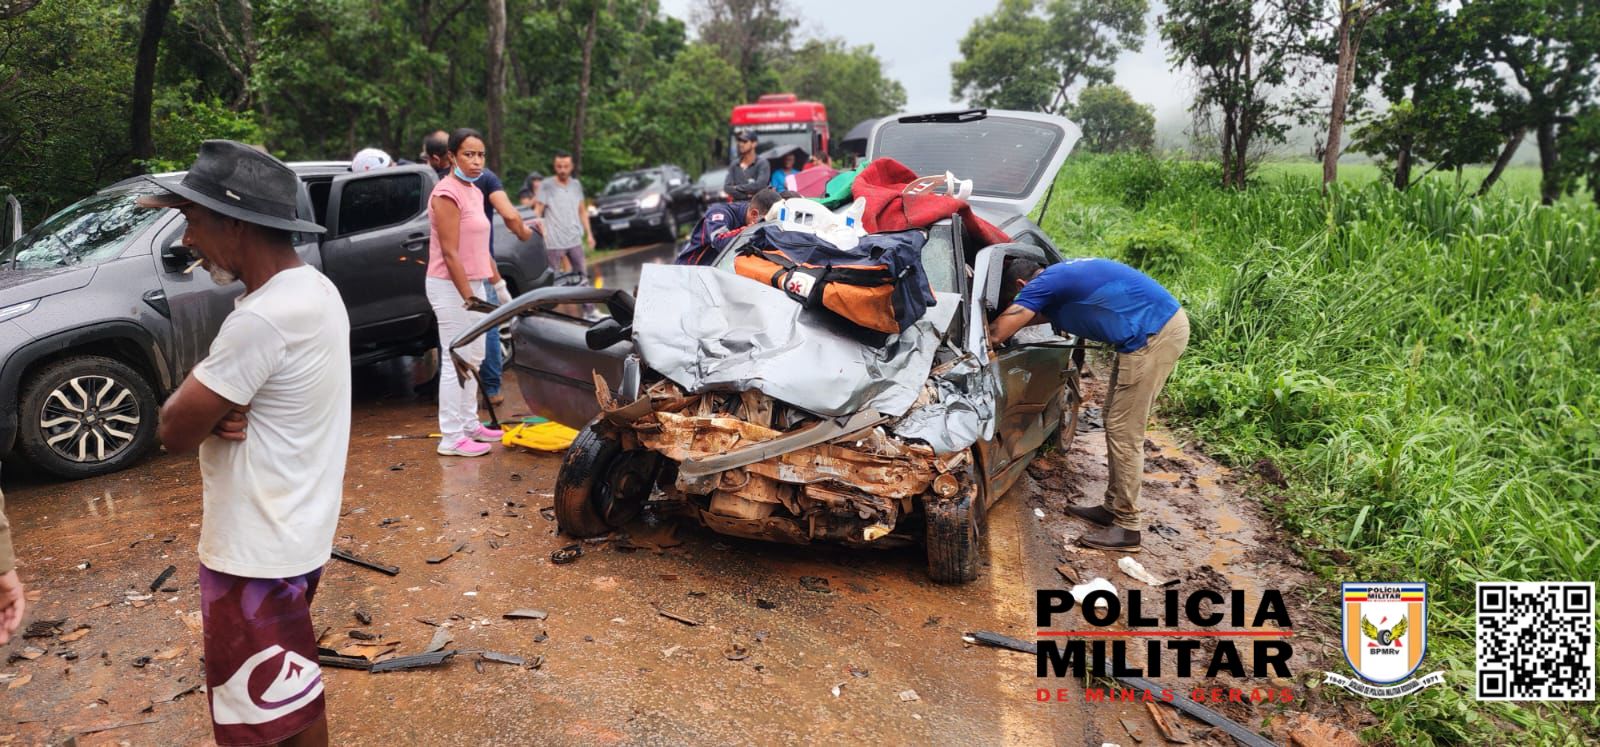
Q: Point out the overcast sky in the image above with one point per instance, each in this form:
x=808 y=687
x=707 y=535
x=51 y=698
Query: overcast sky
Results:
x=918 y=39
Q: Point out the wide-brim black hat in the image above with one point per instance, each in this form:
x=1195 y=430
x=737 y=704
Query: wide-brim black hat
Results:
x=238 y=181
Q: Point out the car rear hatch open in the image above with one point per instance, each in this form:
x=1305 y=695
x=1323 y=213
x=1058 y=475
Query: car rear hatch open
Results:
x=1011 y=157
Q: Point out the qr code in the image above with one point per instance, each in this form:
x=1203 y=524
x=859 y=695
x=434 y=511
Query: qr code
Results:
x=1536 y=641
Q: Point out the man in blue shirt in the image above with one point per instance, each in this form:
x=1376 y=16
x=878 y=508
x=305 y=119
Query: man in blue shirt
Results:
x=722 y=221
x=1108 y=302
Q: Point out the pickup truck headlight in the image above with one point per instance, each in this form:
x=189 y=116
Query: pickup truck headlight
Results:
x=15 y=310
x=650 y=201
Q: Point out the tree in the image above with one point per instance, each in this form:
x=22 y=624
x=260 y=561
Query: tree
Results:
x=1021 y=58
x=683 y=113
x=1443 y=93
x=144 y=78
x=496 y=98
x=1353 y=16
x=750 y=34
x=1549 y=47
x=849 y=81
x=1580 y=156
x=1241 y=52
x=1112 y=121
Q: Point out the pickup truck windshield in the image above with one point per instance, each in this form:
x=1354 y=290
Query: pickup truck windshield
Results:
x=88 y=232
x=632 y=182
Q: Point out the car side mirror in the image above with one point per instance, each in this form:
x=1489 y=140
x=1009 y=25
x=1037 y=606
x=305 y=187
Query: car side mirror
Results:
x=175 y=257
x=605 y=333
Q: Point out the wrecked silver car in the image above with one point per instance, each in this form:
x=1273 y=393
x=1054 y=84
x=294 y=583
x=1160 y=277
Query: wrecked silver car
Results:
x=721 y=399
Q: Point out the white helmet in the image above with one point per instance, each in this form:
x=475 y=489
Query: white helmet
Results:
x=370 y=159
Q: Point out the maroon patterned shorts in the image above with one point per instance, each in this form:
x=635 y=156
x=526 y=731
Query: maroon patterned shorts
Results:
x=262 y=677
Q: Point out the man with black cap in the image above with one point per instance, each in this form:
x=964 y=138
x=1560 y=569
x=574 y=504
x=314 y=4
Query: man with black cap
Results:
x=747 y=175
x=269 y=411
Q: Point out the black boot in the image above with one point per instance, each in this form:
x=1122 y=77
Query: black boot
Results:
x=1096 y=514
x=1113 y=538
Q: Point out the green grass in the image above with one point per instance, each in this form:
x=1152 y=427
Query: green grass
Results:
x=1424 y=366
x=1517 y=181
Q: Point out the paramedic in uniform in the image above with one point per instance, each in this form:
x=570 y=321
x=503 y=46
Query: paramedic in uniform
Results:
x=1111 y=303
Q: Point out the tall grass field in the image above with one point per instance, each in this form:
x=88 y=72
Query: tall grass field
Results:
x=1424 y=366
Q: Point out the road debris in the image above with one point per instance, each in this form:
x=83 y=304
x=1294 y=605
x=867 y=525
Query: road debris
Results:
x=526 y=614
x=141 y=662
x=362 y=635
x=162 y=579
x=1133 y=730
x=330 y=658
x=1082 y=591
x=363 y=618
x=1067 y=574
x=20 y=681
x=74 y=634
x=566 y=554
x=387 y=570
x=83 y=732
x=673 y=616
x=169 y=654
x=1170 y=729
x=43 y=628
x=441 y=638
x=765 y=604
x=440 y=559
x=837 y=689
x=817 y=584
x=1134 y=569
x=737 y=652
x=415 y=661
x=990 y=638
x=500 y=658
x=907 y=696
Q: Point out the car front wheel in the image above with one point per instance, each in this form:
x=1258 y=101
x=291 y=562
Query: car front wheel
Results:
x=602 y=486
x=87 y=416
x=954 y=540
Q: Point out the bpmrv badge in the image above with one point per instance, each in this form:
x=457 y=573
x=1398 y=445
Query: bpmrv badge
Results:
x=1385 y=638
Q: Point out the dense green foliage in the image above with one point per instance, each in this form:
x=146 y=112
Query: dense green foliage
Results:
x=315 y=79
x=1421 y=364
x=1112 y=121
x=1031 y=54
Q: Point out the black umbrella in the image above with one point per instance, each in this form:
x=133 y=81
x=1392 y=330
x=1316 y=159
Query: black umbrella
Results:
x=776 y=154
x=856 y=141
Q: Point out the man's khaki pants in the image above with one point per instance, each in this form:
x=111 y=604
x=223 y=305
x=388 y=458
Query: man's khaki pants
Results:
x=1136 y=379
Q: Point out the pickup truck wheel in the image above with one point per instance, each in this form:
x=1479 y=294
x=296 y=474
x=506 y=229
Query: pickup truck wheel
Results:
x=601 y=487
x=953 y=539
x=86 y=416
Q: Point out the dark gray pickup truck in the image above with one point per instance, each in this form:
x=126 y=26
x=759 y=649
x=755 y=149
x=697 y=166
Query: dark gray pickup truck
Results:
x=99 y=321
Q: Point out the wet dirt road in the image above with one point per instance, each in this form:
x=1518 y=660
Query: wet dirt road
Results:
x=760 y=666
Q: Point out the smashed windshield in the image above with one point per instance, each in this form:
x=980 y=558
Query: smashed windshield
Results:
x=629 y=182
x=88 y=232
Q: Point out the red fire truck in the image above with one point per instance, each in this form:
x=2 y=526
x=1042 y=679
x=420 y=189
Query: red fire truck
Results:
x=781 y=119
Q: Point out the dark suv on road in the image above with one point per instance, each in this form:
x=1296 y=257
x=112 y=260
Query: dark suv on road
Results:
x=652 y=201
x=99 y=321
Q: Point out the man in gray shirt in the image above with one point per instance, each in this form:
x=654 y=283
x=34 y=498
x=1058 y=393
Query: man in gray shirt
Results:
x=748 y=174
x=566 y=219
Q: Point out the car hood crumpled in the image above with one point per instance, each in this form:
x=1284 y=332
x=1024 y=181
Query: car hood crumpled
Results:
x=706 y=329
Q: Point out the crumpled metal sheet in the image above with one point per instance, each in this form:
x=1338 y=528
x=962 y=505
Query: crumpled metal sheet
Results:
x=962 y=414
x=707 y=329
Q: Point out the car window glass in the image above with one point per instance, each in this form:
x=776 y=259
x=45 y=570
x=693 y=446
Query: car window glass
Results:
x=378 y=201
x=631 y=182
x=319 y=199
x=1004 y=157
x=714 y=179
x=88 y=232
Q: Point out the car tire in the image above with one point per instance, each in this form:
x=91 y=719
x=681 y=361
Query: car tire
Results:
x=601 y=486
x=671 y=227
x=63 y=425
x=953 y=540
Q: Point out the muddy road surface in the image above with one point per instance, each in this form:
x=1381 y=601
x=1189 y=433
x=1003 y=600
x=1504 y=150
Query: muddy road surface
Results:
x=671 y=635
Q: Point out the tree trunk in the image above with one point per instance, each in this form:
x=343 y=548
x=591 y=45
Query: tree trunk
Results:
x=497 y=82
x=144 y=81
x=1341 y=97
x=579 y=120
x=1549 y=165
x=1512 y=143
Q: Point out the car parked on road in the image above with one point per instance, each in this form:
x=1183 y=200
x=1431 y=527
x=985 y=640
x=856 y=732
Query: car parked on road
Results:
x=651 y=202
x=722 y=400
x=710 y=186
x=99 y=320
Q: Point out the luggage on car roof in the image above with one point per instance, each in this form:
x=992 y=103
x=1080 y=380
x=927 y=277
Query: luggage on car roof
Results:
x=879 y=284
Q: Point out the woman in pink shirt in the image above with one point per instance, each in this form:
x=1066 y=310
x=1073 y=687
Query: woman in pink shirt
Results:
x=459 y=270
